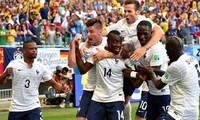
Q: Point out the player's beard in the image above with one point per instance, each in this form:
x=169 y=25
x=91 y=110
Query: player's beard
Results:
x=33 y=56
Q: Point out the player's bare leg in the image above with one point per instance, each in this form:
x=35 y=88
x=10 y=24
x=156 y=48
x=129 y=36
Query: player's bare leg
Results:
x=127 y=108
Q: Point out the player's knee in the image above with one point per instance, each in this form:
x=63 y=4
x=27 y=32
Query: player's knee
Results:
x=126 y=102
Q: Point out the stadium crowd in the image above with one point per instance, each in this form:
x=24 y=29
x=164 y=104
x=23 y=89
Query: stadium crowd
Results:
x=56 y=22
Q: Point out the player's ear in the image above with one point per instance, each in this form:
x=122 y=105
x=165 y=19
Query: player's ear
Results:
x=100 y=32
x=138 y=12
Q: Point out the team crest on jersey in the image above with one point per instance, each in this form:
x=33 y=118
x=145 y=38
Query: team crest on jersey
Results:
x=39 y=60
x=166 y=75
x=116 y=61
x=37 y=72
x=18 y=54
x=155 y=57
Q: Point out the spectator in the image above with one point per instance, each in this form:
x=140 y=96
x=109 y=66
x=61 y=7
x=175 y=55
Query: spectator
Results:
x=170 y=31
x=57 y=74
x=18 y=35
x=36 y=29
x=37 y=5
x=13 y=20
x=51 y=35
x=10 y=35
x=25 y=33
x=58 y=37
x=2 y=34
x=164 y=25
x=22 y=15
x=69 y=85
x=79 y=22
x=6 y=21
x=73 y=28
x=57 y=17
x=44 y=11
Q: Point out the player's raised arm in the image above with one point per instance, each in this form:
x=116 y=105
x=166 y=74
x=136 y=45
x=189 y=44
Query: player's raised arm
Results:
x=72 y=56
x=83 y=67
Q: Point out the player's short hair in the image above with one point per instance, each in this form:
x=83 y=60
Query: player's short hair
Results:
x=114 y=32
x=28 y=41
x=94 y=22
x=145 y=23
x=175 y=41
x=131 y=47
x=135 y=2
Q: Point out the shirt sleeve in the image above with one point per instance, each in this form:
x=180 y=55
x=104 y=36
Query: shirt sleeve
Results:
x=47 y=74
x=115 y=26
x=174 y=73
x=11 y=64
x=156 y=59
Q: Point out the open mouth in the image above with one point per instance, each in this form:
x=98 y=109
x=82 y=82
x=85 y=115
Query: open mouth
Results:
x=128 y=20
x=116 y=50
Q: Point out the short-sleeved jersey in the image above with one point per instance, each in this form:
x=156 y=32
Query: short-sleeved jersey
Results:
x=132 y=64
x=182 y=76
x=109 y=85
x=91 y=80
x=129 y=31
x=157 y=56
x=25 y=84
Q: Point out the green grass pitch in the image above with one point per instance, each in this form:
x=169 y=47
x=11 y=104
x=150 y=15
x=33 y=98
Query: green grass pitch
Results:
x=56 y=113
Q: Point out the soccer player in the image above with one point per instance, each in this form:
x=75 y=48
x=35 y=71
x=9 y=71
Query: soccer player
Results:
x=95 y=40
x=127 y=28
x=108 y=97
x=156 y=56
x=26 y=77
x=182 y=76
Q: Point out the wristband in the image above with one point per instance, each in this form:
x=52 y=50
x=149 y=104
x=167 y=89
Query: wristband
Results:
x=133 y=74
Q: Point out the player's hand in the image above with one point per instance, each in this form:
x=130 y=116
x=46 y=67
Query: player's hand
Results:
x=127 y=71
x=84 y=46
x=142 y=77
x=8 y=71
x=76 y=46
x=77 y=37
x=138 y=53
x=99 y=55
x=148 y=70
x=71 y=44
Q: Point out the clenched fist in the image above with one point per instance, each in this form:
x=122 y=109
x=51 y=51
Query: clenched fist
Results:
x=8 y=71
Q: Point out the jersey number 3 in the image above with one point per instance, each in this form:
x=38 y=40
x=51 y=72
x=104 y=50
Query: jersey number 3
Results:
x=27 y=83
